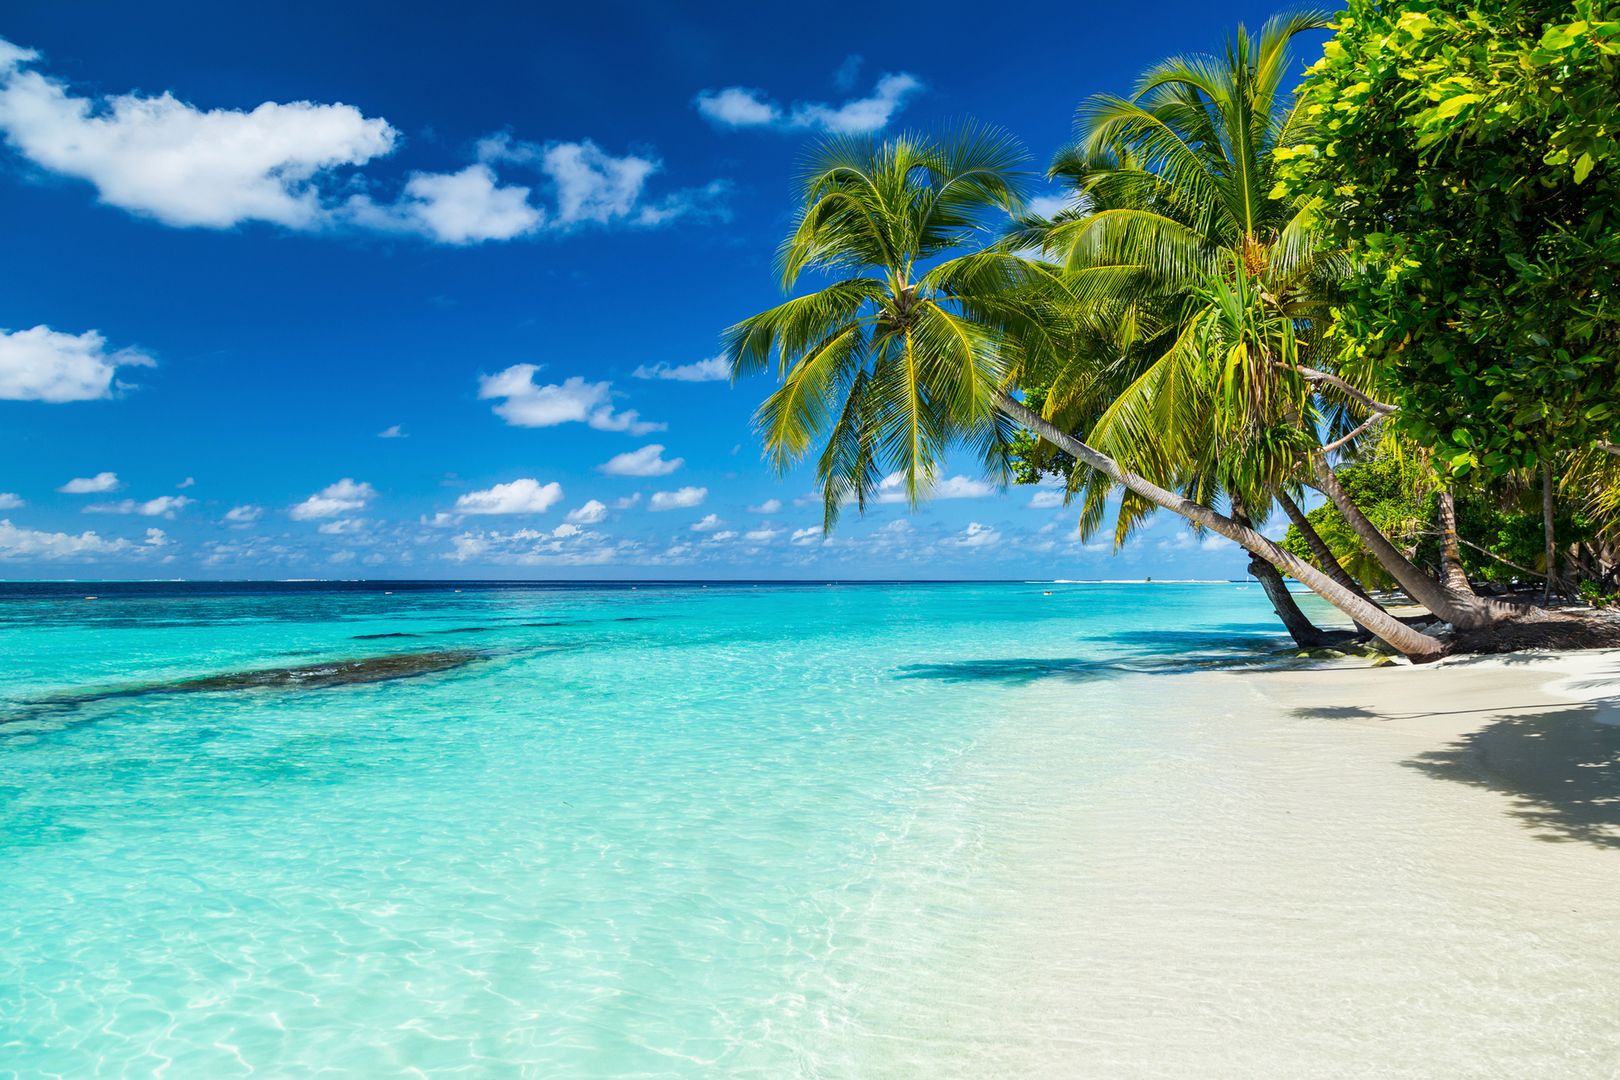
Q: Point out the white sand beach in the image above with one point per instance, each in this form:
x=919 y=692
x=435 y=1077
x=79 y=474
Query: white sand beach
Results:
x=1335 y=872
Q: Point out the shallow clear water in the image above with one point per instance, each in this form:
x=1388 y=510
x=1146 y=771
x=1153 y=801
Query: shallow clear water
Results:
x=669 y=830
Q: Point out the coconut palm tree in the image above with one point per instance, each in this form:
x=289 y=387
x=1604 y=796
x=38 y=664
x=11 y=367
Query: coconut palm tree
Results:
x=1207 y=290
x=912 y=347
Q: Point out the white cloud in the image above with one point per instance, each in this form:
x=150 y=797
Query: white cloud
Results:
x=91 y=485
x=679 y=499
x=714 y=369
x=185 y=166
x=721 y=537
x=737 y=106
x=244 y=515
x=892 y=489
x=571 y=401
x=343 y=526
x=392 y=431
x=592 y=513
x=10 y=501
x=594 y=187
x=467 y=207
x=627 y=501
x=20 y=543
x=1046 y=499
x=709 y=523
x=566 y=545
x=974 y=536
x=42 y=364
x=648 y=461
x=162 y=506
x=190 y=481
x=289 y=165
x=741 y=107
x=1049 y=205
x=334 y=499
x=762 y=536
x=808 y=535
x=769 y=506
x=522 y=496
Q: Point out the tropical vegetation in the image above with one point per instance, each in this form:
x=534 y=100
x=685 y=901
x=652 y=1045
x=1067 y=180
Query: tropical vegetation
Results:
x=1249 y=305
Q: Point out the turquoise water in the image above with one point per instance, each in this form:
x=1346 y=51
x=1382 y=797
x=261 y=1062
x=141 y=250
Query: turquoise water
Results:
x=663 y=831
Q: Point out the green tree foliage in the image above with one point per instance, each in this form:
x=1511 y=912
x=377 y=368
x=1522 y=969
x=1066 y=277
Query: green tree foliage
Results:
x=1501 y=523
x=1464 y=151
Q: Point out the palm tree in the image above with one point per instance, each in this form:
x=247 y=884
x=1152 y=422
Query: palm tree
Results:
x=913 y=347
x=1204 y=290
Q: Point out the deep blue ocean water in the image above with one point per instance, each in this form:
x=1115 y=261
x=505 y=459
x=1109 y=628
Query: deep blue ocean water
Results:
x=651 y=830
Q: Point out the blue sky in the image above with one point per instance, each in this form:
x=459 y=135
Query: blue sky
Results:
x=372 y=291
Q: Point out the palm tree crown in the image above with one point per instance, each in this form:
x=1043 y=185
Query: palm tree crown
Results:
x=1196 y=286
x=901 y=355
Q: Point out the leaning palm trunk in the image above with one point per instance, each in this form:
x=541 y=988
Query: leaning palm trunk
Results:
x=1465 y=610
x=1306 y=634
x=1325 y=559
x=1418 y=646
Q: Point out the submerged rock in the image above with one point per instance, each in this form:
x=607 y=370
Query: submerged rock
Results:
x=370 y=669
x=333 y=673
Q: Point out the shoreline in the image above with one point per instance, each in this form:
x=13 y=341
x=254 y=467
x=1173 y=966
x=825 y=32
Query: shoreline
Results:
x=1419 y=884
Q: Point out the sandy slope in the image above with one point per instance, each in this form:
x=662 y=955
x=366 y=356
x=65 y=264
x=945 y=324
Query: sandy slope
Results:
x=1408 y=872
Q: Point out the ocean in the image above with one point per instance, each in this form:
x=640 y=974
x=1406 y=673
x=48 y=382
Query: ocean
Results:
x=512 y=829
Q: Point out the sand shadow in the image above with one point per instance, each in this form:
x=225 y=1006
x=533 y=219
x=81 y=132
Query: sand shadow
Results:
x=1561 y=768
x=1022 y=670
x=1012 y=672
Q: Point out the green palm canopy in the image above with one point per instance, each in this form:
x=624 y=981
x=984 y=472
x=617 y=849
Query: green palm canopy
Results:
x=900 y=355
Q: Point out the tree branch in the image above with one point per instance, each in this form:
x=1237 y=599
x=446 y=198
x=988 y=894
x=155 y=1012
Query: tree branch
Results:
x=1329 y=379
x=1363 y=426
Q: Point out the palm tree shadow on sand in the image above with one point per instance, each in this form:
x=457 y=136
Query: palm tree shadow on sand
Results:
x=1560 y=768
x=1175 y=653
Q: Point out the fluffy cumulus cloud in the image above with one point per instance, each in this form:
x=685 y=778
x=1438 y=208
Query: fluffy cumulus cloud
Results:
x=163 y=158
x=892 y=488
x=524 y=403
x=467 y=207
x=99 y=484
x=165 y=506
x=343 y=497
x=17 y=542
x=246 y=514
x=523 y=496
x=741 y=107
x=392 y=431
x=769 y=506
x=679 y=499
x=709 y=523
x=42 y=364
x=593 y=512
x=714 y=369
x=10 y=500
x=648 y=461
x=287 y=163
